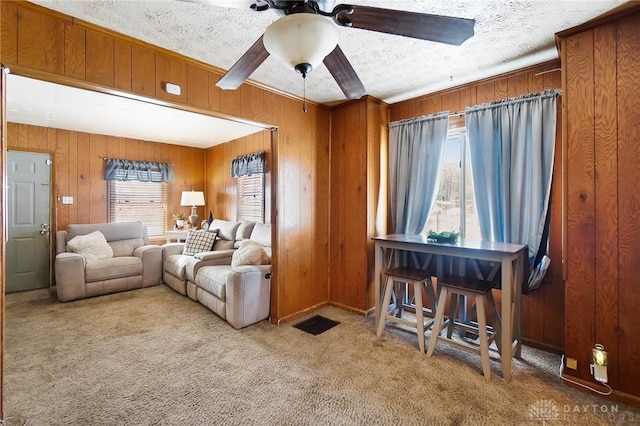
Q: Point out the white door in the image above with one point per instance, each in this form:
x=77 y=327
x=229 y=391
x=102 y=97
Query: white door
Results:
x=27 y=257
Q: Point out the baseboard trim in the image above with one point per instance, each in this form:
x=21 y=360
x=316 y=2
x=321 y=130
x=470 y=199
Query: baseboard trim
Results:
x=351 y=309
x=543 y=346
x=299 y=314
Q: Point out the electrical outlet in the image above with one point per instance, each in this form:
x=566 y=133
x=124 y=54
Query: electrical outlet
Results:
x=572 y=363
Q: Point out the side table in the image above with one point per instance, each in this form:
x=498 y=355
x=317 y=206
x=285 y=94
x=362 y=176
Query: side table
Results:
x=178 y=235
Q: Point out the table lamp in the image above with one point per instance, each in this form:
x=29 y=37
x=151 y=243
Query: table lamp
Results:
x=193 y=199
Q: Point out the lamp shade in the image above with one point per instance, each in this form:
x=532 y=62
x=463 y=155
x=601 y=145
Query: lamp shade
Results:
x=301 y=38
x=192 y=198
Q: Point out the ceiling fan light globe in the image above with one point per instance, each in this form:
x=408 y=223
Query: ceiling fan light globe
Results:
x=301 y=38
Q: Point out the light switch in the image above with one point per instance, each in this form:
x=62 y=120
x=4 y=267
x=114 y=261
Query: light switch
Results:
x=67 y=200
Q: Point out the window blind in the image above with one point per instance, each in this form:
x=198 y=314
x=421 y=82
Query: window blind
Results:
x=250 y=198
x=143 y=201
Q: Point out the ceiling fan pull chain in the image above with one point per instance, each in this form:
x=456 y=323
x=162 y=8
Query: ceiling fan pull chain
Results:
x=304 y=92
x=304 y=69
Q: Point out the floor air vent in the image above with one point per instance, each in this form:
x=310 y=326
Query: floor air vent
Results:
x=316 y=325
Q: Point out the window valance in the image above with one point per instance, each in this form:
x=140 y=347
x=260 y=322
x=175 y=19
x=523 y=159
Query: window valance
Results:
x=143 y=171
x=247 y=165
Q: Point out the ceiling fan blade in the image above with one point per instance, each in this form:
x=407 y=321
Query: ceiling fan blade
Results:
x=244 y=67
x=442 y=29
x=344 y=74
x=232 y=4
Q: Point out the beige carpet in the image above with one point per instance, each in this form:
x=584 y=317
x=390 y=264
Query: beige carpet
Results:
x=154 y=357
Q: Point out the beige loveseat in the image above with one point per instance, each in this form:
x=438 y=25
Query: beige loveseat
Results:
x=132 y=263
x=240 y=294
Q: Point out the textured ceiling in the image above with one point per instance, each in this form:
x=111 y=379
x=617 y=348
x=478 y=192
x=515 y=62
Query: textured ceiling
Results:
x=508 y=35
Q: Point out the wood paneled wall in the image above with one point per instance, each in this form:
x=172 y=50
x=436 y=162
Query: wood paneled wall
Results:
x=302 y=212
x=38 y=42
x=3 y=155
x=543 y=309
x=358 y=148
x=78 y=162
x=602 y=76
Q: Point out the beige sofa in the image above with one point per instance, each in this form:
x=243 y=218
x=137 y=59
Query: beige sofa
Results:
x=241 y=294
x=132 y=264
x=178 y=268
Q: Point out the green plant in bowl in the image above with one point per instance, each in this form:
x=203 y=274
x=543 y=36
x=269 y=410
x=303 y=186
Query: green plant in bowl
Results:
x=450 y=237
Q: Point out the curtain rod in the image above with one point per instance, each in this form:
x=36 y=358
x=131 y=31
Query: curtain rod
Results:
x=459 y=113
x=453 y=114
x=141 y=161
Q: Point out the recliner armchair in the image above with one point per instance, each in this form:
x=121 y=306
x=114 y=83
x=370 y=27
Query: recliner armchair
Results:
x=134 y=263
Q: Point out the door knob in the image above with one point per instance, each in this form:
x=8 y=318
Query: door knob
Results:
x=44 y=229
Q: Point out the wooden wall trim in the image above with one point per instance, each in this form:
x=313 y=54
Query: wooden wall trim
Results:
x=275 y=241
x=347 y=308
x=3 y=155
x=136 y=42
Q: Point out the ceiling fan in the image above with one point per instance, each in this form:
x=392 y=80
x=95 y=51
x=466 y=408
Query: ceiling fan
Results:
x=305 y=36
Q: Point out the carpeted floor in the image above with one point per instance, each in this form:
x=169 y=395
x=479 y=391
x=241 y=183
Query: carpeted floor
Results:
x=154 y=357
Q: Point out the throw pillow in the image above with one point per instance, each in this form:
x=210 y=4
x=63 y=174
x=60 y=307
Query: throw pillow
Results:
x=249 y=253
x=91 y=246
x=199 y=241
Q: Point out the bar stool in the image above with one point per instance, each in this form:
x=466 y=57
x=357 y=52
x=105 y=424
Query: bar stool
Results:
x=408 y=276
x=479 y=292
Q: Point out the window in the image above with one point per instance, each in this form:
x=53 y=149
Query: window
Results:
x=456 y=190
x=250 y=198
x=144 y=201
